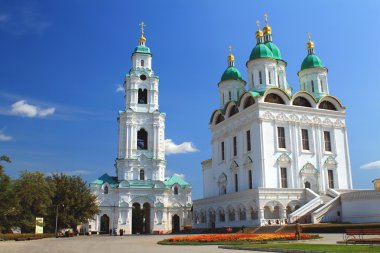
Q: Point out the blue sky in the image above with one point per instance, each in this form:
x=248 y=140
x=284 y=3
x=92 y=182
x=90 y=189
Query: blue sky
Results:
x=62 y=61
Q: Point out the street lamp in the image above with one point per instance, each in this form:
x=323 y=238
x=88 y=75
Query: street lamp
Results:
x=56 y=219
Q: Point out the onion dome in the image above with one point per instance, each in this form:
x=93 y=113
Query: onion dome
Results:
x=311 y=60
x=275 y=50
x=231 y=73
x=260 y=50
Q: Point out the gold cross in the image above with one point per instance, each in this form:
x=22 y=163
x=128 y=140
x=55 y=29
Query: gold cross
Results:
x=258 y=24
x=308 y=35
x=142 y=28
x=230 y=49
x=266 y=18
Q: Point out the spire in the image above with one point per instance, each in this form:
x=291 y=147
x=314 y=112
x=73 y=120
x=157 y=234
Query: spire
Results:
x=267 y=30
x=259 y=34
x=231 y=58
x=310 y=45
x=142 y=39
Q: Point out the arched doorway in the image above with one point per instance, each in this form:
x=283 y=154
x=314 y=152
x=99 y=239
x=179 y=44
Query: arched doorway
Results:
x=104 y=224
x=307 y=184
x=146 y=218
x=137 y=218
x=175 y=223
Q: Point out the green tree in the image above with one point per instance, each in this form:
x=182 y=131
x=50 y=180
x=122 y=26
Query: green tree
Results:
x=34 y=196
x=75 y=203
x=8 y=201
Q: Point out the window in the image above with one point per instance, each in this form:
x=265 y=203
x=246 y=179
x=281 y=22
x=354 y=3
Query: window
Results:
x=219 y=119
x=236 y=183
x=312 y=86
x=233 y=111
x=142 y=96
x=222 y=216
x=250 y=179
x=305 y=139
x=222 y=150
x=235 y=146
x=175 y=190
x=242 y=214
x=105 y=189
x=274 y=98
x=284 y=178
x=327 y=138
x=321 y=85
x=281 y=137
x=142 y=175
x=248 y=102
x=248 y=140
x=331 y=178
x=301 y=101
x=142 y=139
x=307 y=184
x=231 y=215
x=229 y=95
x=270 y=77
x=278 y=80
x=260 y=78
x=142 y=63
x=327 y=106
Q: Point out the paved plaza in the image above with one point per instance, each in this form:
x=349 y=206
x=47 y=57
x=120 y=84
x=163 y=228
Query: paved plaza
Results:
x=129 y=244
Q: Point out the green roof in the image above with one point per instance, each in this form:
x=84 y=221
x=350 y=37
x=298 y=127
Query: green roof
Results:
x=106 y=179
x=275 y=50
x=311 y=61
x=231 y=73
x=142 y=49
x=260 y=51
x=175 y=179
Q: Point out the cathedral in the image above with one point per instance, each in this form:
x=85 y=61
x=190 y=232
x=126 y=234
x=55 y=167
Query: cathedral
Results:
x=278 y=156
x=140 y=198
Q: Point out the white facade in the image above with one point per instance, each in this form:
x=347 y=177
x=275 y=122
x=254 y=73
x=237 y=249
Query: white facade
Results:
x=277 y=157
x=139 y=199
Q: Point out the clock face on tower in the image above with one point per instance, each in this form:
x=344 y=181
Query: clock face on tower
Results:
x=143 y=77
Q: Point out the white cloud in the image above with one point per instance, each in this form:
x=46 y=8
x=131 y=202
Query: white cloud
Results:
x=4 y=137
x=181 y=175
x=185 y=147
x=372 y=165
x=119 y=88
x=22 y=108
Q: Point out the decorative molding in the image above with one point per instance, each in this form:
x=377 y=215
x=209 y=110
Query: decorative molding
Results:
x=328 y=122
x=282 y=117
x=305 y=120
x=339 y=124
x=268 y=116
x=309 y=169
x=284 y=158
x=234 y=165
x=247 y=161
x=330 y=162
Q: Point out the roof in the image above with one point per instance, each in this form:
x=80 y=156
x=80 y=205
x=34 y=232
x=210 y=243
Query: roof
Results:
x=142 y=50
x=112 y=181
x=311 y=61
x=260 y=51
x=275 y=50
x=175 y=179
x=231 y=73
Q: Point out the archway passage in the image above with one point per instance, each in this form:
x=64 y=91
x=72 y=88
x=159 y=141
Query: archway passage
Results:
x=175 y=223
x=137 y=219
x=307 y=184
x=104 y=224
x=146 y=218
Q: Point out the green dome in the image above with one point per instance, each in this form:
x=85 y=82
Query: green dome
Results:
x=261 y=51
x=231 y=73
x=311 y=61
x=275 y=50
x=142 y=49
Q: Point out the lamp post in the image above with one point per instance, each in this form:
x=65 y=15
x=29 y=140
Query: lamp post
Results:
x=56 y=219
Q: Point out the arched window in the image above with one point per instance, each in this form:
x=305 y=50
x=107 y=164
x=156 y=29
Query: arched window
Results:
x=307 y=184
x=301 y=101
x=175 y=190
x=142 y=139
x=260 y=78
x=105 y=189
x=142 y=175
x=142 y=96
x=233 y=111
x=327 y=106
x=248 y=102
x=222 y=182
x=229 y=95
x=274 y=98
x=142 y=63
x=321 y=85
x=219 y=119
x=312 y=86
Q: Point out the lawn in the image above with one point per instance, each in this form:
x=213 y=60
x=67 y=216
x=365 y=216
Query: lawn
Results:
x=315 y=247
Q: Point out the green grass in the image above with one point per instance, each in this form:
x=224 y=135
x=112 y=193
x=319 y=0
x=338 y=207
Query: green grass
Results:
x=317 y=247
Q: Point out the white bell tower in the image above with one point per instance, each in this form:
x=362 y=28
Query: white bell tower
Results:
x=141 y=149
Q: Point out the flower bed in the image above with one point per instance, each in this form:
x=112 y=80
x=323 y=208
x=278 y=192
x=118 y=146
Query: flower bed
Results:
x=216 y=238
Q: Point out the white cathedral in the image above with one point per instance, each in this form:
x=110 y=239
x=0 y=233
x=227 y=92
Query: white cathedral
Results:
x=140 y=199
x=277 y=156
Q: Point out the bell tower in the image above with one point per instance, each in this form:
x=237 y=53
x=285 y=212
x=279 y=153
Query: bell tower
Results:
x=141 y=148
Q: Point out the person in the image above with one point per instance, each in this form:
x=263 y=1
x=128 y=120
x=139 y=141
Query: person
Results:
x=242 y=228
x=298 y=231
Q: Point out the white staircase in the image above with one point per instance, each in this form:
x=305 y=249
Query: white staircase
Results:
x=315 y=202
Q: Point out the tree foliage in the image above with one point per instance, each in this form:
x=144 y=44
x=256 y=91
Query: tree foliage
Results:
x=75 y=203
x=7 y=198
x=34 y=196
